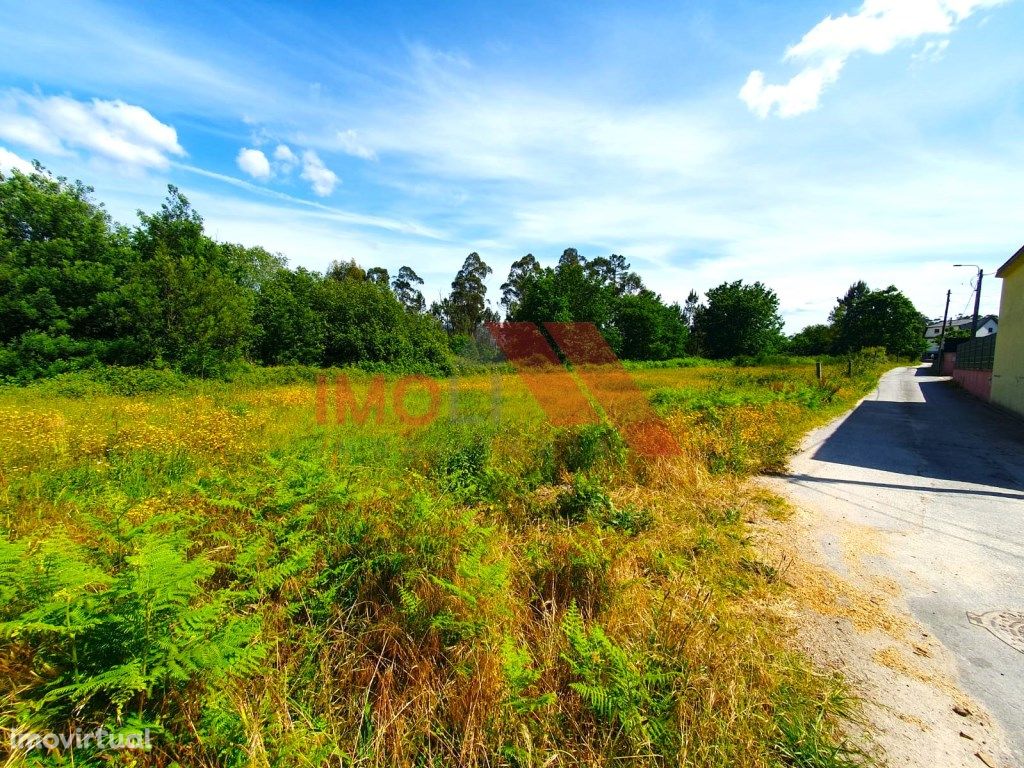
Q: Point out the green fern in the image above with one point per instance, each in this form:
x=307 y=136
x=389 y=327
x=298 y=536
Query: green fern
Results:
x=519 y=675
x=109 y=640
x=633 y=692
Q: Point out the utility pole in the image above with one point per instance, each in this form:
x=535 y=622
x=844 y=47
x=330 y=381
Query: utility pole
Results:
x=945 y=317
x=977 y=305
x=977 y=297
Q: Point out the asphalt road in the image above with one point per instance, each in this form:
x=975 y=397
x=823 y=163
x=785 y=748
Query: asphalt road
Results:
x=943 y=475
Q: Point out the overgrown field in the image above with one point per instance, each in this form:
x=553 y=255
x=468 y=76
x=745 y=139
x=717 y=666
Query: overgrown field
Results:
x=207 y=561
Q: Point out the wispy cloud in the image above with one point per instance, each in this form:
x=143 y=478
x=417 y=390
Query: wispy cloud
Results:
x=876 y=28
x=932 y=51
x=350 y=143
x=457 y=122
x=102 y=44
x=325 y=211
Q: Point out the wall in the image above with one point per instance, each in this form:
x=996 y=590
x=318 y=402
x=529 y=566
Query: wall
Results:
x=948 y=364
x=1008 y=374
x=978 y=383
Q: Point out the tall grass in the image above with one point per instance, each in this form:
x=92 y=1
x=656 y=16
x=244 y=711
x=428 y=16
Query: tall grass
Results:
x=259 y=589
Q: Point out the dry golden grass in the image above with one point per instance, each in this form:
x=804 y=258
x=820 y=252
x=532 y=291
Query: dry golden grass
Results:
x=415 y=585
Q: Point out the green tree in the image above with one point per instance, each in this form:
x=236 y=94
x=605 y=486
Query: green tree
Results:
x=405 y=290
x=289 y=327
x=249 y=266
x=690 y=307
x=76 y=290
x=614 y=272
x=364 y=322
x=571 y=257
x=345 y=270
x=848 y=302
x=466 y=308
x=887 y=318
x=568 y=293
x=648 y=329
x=634 y=321
x=191 y=306
x=378 y=275
x=813 y=340
x=512 y=289
x=737 y=320
x=61 y=272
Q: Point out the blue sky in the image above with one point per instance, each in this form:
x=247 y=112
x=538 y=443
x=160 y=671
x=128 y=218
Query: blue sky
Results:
x=804 y=144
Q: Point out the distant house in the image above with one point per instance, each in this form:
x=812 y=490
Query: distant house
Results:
x=987 y=325
x=1008 y=369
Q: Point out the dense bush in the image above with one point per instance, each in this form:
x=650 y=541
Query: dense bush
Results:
x=365 y=323
x=586 y=447
x=675 y=362
x=115 y=380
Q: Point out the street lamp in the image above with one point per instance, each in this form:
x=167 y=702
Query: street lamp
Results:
x=977 y=297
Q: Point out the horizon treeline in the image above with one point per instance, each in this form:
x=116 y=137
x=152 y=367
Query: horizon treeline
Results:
x=78 y=290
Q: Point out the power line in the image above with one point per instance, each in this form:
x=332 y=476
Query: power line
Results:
x=967 y=303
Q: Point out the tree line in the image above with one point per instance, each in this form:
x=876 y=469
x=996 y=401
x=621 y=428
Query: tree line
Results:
x=77 y=290
x=866 y=318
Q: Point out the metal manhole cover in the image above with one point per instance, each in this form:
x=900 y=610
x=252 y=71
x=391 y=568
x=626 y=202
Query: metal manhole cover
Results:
x=1008 y=626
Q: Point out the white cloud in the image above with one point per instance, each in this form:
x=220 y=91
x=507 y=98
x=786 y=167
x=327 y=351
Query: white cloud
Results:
x=256 y=164
x=124 y=133
x=253 y=162
x=27 y=131
x=321 y=178
x=10 y=161
x=136 y=124
x=881 y=25
x=877 y=27
x=350 y=144
x=801 y=94
x=285 y=159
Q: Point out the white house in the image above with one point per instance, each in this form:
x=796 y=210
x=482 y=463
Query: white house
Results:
x=987 y=325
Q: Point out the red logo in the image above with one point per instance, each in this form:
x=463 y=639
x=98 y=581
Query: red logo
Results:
x=609 y=384
x=596 y=386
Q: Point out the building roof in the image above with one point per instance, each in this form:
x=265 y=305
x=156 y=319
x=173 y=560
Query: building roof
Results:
x=1018 y=257
x=954 y=322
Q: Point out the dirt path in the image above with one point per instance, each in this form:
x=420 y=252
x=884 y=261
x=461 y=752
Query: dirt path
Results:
x=900 y=532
